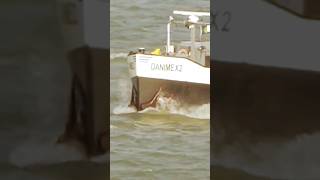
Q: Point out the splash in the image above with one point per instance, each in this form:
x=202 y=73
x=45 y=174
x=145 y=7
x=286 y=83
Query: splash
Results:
x=45 y=152
x=123 y=109
x=294 y=159
x=167 y=105
x=120 y=99
x=40 y=152
x=173 y=106
x=121 y=95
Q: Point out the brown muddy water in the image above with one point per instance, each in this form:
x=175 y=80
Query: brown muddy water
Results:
x=166 y=142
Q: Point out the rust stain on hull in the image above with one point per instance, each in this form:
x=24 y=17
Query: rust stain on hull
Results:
x=146 y=91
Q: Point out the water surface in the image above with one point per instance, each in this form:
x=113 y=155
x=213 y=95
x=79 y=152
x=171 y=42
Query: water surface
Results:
x=168 y=142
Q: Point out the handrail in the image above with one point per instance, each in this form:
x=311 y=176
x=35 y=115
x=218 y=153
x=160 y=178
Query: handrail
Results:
x=184 y=22
x=190 y=13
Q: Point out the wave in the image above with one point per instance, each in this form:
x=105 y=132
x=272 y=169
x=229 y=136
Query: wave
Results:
x=39 y=152
x=121 y=95
x=173 y=106
x=123 y=109
x=118 y=55
x=169 y=106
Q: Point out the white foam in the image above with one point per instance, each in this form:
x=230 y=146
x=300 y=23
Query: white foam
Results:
x=123 y=109
x=168 y=106
x=40 y=152
x=121 y=93
x=175 y=107
x=123 y=97
x=295 y=159
x=118 y=55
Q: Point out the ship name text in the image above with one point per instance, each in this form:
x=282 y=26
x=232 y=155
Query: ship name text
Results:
x=166 y=67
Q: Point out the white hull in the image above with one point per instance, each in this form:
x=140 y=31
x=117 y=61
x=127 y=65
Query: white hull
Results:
x=168 y=68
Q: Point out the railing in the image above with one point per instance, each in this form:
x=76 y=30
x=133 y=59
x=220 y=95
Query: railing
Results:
x=191 y=13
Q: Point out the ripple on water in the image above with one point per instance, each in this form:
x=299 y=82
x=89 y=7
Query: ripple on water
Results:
x=166 y=142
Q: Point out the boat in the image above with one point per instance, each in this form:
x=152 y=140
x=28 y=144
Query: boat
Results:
x=83 y=28
x=180 y=72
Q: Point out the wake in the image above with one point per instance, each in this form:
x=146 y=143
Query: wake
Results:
x=167 y=105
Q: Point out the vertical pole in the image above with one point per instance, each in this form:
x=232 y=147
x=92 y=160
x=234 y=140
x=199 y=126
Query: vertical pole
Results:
x=201 y=33
x=193 y=39
x=168 y=37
